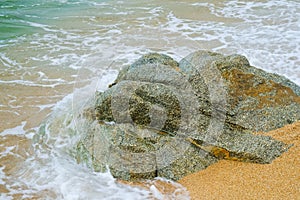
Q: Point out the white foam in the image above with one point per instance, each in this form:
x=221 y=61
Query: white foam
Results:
x=7 y=62
x=31 y=83
x=38 y=25
x=5 y=197
x=155 y=192
x=201 y=4
x=13 y=112
x=7 y=151
x=2 y=176
x=269 y=38
x=114 y=31
x=99 y=4
x=106 y=80
x=18 y=130
x=44 y=106
x=71 y=181
x=267 y=34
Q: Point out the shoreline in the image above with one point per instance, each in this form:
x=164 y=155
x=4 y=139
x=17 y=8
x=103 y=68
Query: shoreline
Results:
x=230 y=180
x=238 y=180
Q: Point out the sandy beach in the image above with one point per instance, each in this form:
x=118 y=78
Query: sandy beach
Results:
x=236 y=180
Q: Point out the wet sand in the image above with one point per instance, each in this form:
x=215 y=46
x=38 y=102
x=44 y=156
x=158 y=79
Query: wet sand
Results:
x=237 y=180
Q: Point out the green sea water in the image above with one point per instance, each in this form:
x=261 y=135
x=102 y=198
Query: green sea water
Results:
x=16 y=16
x=19 y=18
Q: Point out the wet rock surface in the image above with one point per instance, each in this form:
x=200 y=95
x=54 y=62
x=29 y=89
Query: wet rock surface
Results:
x=169 y=119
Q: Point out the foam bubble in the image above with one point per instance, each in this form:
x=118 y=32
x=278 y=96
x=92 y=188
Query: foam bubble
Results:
x=18 y=130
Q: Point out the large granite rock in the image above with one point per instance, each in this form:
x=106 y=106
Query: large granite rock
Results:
x=169 y=119
x=257 y=100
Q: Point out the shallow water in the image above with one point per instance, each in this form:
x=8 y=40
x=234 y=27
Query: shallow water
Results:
x=48 y=49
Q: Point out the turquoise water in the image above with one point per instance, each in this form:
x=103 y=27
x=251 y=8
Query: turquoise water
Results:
x=50 y=49
x=17 y=17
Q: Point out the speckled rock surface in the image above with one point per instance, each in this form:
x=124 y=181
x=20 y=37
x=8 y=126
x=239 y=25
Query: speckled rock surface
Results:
x=169 y=119
x=256 y=100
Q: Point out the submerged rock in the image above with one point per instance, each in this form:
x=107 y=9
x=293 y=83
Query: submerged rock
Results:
x=169 y=119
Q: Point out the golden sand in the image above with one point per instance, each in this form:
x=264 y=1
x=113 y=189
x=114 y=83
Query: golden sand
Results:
x=237 y=180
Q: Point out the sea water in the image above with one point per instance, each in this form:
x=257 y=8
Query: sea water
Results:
x=54 y=54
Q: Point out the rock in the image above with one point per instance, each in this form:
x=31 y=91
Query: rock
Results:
x=257 y=100
x=169 y=119
x=134 y=153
